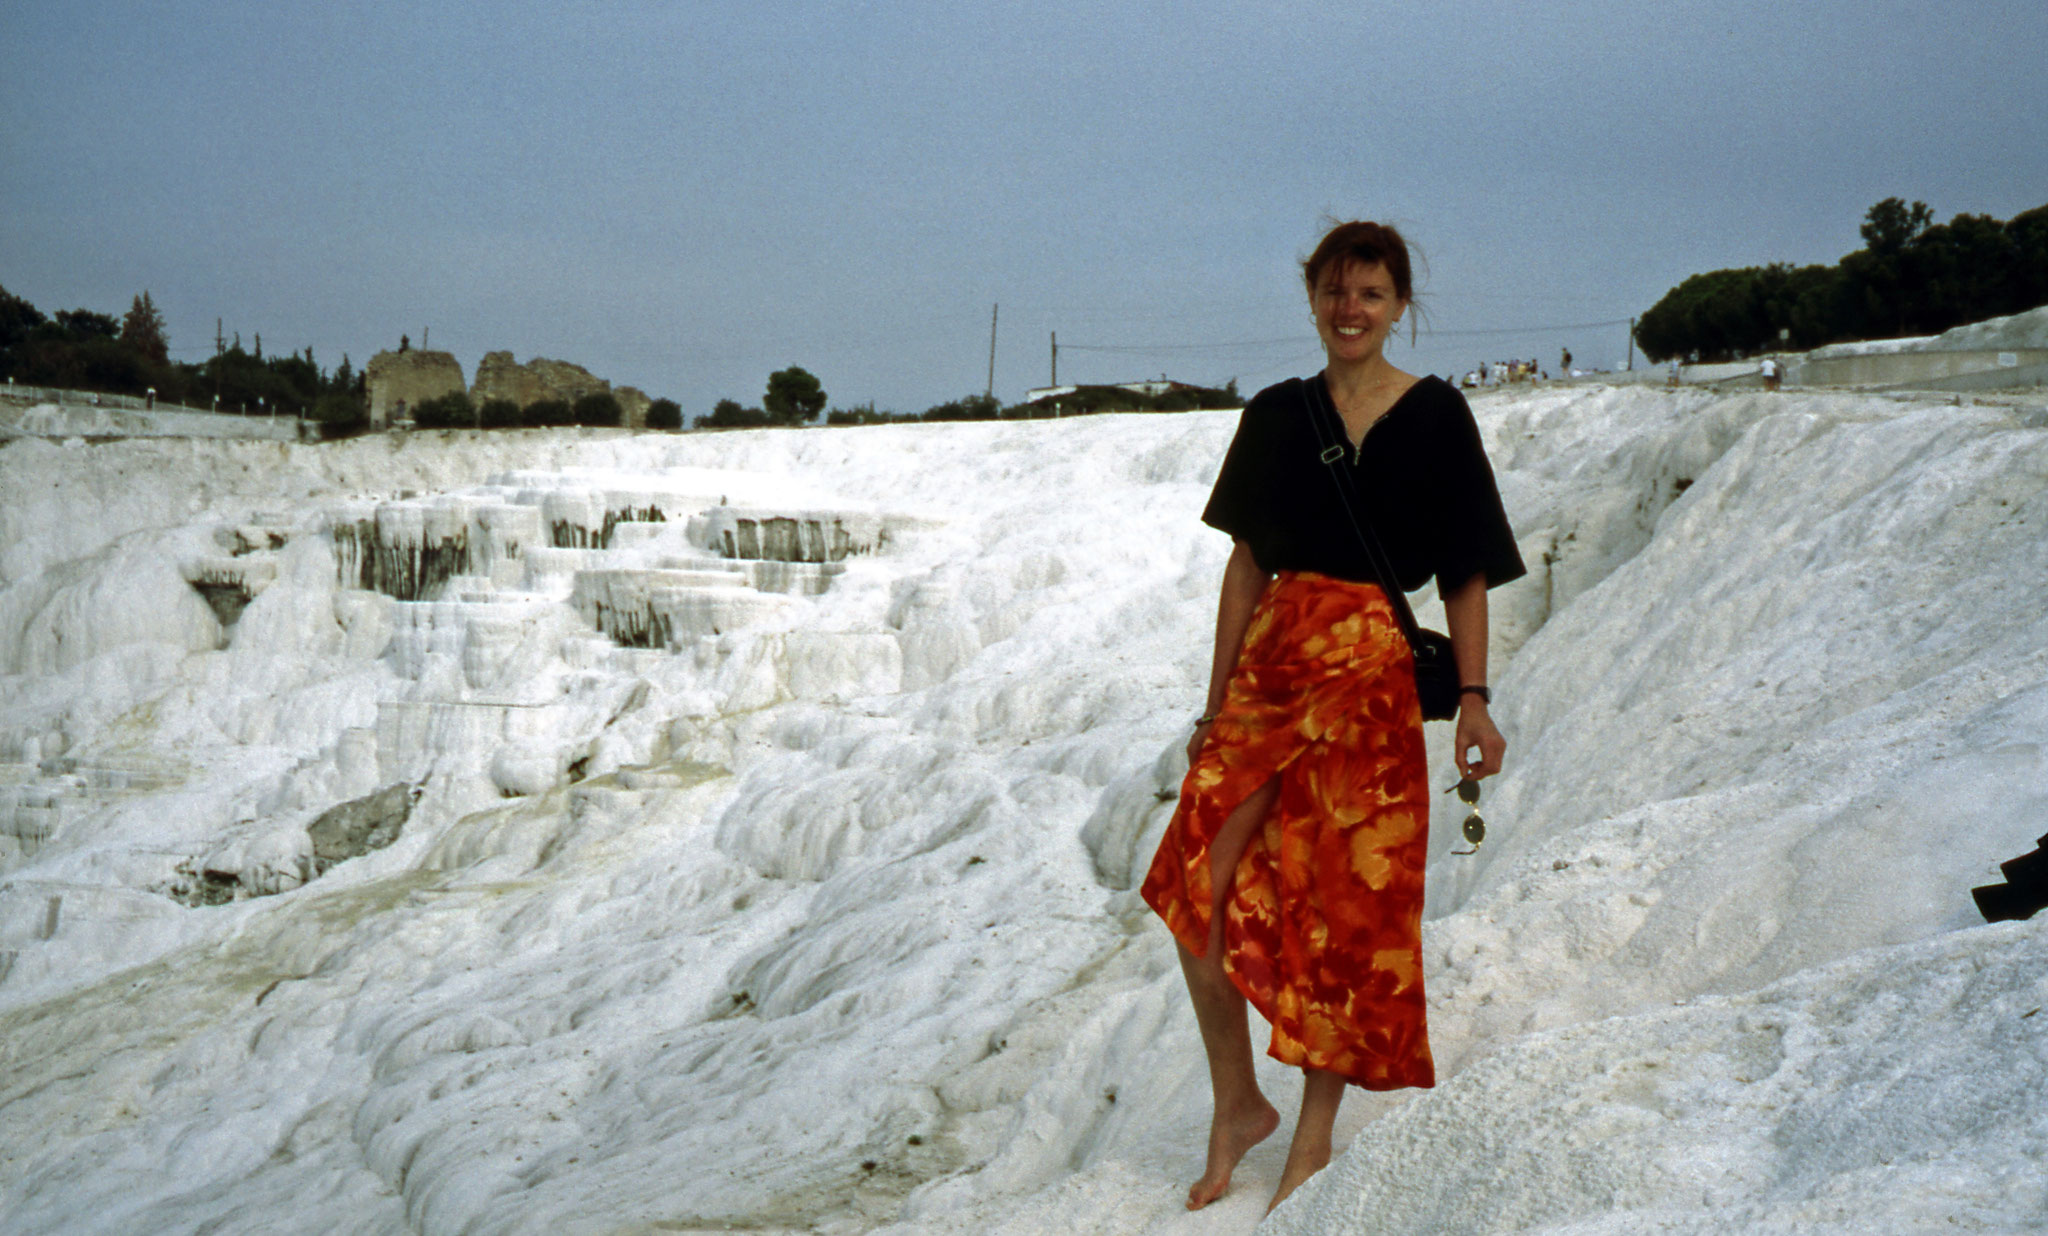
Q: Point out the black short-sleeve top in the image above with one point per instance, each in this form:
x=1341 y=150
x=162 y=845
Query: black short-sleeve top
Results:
x=1421 y=476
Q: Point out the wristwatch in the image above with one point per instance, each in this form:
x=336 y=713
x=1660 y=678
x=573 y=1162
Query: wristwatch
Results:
x=1485 y=696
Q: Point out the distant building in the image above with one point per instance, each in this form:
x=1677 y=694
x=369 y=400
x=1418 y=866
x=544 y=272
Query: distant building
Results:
x=1153 y=387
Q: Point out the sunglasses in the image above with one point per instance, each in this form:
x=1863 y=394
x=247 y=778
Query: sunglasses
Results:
x=1467 y=791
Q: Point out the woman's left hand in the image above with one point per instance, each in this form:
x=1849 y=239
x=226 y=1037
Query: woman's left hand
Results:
x=1476 y=729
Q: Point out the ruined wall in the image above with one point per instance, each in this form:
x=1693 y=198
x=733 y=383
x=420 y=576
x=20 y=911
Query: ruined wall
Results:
x=499 y=376
x=401 y=381
x=634 y=403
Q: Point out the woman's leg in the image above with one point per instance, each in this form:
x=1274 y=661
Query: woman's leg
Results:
x=1321 y=1093
x=1243 y=1118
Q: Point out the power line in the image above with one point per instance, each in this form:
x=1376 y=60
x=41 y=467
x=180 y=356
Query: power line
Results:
x=1180 y=347
x=1296 y=339
x=1530 y=330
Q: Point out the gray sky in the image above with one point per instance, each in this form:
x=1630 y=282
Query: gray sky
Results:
x=684 y=197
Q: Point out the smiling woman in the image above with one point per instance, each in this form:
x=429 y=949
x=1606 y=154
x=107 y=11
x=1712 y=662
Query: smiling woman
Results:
x=1360 y=287
x=1291 y=874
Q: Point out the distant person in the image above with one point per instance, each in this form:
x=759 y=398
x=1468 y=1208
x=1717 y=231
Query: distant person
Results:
x=1671 y=372
x=1292 y=871
x=1769 y=369
x=1564 y=362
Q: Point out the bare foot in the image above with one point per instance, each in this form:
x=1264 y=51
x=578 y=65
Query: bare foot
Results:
x=1230 y=1135
x=1301 y=1164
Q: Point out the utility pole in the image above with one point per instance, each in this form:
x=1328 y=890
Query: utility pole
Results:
x=220 y=341
x=423 y=337
x=991 y=392
x=1631 y=345
x=1055 y=360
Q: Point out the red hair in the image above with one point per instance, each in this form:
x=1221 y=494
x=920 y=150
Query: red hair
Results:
x=1366 y=243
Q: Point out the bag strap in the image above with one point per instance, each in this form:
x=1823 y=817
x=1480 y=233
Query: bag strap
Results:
x=1321 y=415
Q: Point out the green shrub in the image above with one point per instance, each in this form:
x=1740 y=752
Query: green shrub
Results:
x=450 y=411
x=341 y=415
x=728 y=414
x=664 y=414
x=969 y=408
x=598 y=409
x=548 y=413
x=498 y=414
x=865 y=414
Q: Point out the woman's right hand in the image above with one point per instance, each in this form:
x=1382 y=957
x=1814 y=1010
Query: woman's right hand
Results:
x=1195 y=742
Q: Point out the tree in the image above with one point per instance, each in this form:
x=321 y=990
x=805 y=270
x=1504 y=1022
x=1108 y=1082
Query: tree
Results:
x=1912 y=277
x=1891 y=225
x=80 y=325
x=728 y=414
x=1887 y=273
x=598 y=408
x=2029 y=233
x=18 y=319
x=1963 y=270
x=664 y=414
x=793 y=397
x=498 y=414
x=143 y=330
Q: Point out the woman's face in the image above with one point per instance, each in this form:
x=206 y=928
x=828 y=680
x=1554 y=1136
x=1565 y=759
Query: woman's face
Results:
x=1356 y=309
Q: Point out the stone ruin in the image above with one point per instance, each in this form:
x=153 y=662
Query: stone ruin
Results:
x=499 y=376
x=400 y=381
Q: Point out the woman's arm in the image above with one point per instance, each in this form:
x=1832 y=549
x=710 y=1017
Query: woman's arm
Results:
x=1243 y=581
x=1465 y=611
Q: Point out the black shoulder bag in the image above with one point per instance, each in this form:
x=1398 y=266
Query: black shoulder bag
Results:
x=1436 y=670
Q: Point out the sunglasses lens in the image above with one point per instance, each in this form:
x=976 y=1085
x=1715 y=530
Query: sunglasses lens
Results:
x=1475 y=829
x=1467 y=791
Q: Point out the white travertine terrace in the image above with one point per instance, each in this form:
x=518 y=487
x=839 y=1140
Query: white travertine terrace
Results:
x=724 y=893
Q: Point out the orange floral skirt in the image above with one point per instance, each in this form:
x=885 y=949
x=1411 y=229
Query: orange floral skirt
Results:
x=1323 y=926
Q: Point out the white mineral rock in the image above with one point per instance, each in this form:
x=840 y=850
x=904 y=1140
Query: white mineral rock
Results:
x=744 y=893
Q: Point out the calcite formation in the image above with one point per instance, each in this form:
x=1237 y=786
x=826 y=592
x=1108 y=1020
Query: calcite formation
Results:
x=834 y=903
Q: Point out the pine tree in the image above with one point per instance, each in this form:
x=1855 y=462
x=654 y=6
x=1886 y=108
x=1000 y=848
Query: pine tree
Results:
x=794 y=396
x=143 y=330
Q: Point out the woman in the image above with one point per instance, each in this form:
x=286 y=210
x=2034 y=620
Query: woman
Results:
x=1292 y=871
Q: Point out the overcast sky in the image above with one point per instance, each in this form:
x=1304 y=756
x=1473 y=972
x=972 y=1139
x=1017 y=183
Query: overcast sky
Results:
x=684 y=197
